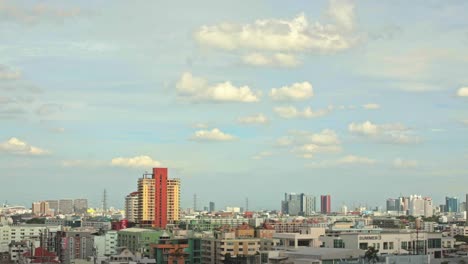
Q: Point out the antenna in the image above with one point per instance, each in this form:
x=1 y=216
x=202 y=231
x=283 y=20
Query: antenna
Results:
x=104 y=202
x=195 y=202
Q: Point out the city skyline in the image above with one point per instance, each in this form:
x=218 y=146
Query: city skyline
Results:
x=237 y=99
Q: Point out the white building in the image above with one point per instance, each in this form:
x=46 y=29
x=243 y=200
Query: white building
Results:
x=410 y=242
x=17 y=233
x=307 y=237
x=131 y=207
x=106 y=244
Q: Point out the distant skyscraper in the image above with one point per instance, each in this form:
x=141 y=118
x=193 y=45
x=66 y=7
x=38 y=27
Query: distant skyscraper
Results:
x=292 y=204
x=451 y=204
x=173 y=200
x=393 y=204
x=308 y=204
x=212 y=207
x=80 y=206
x=416 y=205
x=325 y=204
x=131 y=207
x=66 y=206
x=36 y=208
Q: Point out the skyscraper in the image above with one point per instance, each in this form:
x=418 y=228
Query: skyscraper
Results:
x=392 y=204
x=146 y=200
x=212 y=207
x=451 y=204
x=325 y=204
x=131 y=207
x=173 y=200
x=160 y=193
x=298 y=204
x=54 y=205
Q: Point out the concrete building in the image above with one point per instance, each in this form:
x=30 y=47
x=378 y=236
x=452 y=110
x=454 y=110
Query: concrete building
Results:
x=105 y=244
x=212 y=207
x=53 y=205
x=153 y=199
x=80 y=206
x=146 y=201
x=41 y=209
x=138 y=240
x=66 y=206
x=416 y=205
x=173 y=200
x=226 y=245
x=77 y=244
x=392 y=204
x=307 y=237
x=325 y=204
x=410 y=242
x=131 y=207
x=298 y=204
x=30 y=232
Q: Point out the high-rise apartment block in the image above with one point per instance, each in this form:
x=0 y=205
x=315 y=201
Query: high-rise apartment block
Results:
x=212 y=207
x=173 y=202
x=158 y=199
x=325 y=204
x=41 y=209
x=131 y=207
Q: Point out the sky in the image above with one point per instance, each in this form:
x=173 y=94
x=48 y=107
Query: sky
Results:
x=362 y=100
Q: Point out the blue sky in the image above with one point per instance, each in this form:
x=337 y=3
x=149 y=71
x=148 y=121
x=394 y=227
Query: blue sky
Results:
x=361 y=100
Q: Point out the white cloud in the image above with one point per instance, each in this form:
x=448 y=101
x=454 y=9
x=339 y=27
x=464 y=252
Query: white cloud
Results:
x=135 y=162
x=255 y=119
x=297 y=35
x=295 y=92
x=212 y=135
x=342 y=11
x=393 y=133
x=292 y=112
x=307 y=144
x=277 y=59
x=352 y=159
x=16 y=146
x=405 y=164
x=463 y=92
x=371 y=106
x=9 y=74
x=262 y=155
x=198 y=90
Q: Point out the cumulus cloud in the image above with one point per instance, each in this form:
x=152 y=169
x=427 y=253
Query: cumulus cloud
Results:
x=307 y=144
x=289 y=112
x=371 y=106
x=392 y=133
x=462 y=92
x=295 y=35
x=18 y=147
x=295 y=92
x=197 y=89
x=254 y=119
x=277 y=59
x=214 y=134
x=7 y=73
x=405 y=164
x=135 y=162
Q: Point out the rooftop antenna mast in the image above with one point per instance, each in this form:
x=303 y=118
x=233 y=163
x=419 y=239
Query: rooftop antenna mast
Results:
x=104 y=202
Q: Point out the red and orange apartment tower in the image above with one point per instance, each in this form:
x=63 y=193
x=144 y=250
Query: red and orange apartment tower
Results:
x=160 y=205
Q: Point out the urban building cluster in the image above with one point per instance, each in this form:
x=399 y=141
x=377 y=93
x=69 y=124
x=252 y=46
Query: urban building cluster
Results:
x=153 y=228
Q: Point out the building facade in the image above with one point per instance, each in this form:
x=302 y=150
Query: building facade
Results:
x=325 y=204
x=173 y=200
x=131 y=207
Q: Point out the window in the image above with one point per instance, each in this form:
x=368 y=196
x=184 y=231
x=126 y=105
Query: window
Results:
x=338 y=243
x=363 y=246
x=385 y=245
x=390 y=245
